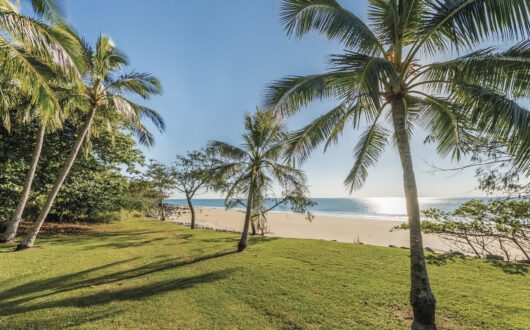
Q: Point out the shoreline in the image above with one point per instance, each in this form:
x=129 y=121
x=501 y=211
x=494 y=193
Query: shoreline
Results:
x=345 y=215
x=372 y=231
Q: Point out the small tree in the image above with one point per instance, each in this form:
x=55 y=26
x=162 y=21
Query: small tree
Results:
x=193 y=175
x=163 y=178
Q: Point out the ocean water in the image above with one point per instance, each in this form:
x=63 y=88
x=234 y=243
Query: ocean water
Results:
x=376 y=207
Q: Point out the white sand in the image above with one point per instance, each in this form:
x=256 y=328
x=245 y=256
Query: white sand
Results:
x=371 y=231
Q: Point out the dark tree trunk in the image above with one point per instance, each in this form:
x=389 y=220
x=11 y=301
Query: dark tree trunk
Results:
x=421 y=297
x=192 y=210
x=244 y=236
x=163 y=213
x=254 y=232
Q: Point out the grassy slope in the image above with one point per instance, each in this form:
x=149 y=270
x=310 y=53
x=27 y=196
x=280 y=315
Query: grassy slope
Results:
x=144 y=274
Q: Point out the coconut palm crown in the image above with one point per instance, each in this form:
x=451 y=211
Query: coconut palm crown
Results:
x=32 y=47
x=382 y=76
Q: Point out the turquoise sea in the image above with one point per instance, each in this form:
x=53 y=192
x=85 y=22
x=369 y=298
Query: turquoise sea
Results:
x=376 y=207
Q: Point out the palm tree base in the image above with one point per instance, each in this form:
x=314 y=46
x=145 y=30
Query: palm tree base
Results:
x=424 y=311
x=419 y=326
x=241 y=247
x=22 y=246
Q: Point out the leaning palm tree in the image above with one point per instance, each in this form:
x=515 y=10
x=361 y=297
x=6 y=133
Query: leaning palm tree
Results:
x=381 y=75
x=106 y=104
x=252 y=168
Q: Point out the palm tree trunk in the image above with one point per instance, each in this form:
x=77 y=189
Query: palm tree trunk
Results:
x=192 y=210
x=244 y=236
x=29 y=240
x=421 y=297
x=12 y=226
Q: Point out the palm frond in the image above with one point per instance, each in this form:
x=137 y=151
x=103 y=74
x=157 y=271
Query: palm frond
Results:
x=30 y=80
x=466 y=23
x=492 y=112
x=142 y=84
x=324 y=129
x=134 y=113
x=366 y=153
x=226 y=150
x=327 y=17
x=56 y=44
x=289 y=95
x=51 y=9
x=445 y=123
x=506 y=71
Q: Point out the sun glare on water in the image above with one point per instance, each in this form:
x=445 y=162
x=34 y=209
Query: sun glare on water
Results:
x=393 y=205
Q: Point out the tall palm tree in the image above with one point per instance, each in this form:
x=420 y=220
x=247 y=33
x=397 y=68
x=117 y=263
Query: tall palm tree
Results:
x=381 y=76
x=106 y=104
x=253 y=167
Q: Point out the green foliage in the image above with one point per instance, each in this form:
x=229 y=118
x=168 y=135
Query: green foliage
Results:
x=496 y=227
x=138 y=273
x=142 y=196
x=95 y=185
x=195 y=173
x=160 y=178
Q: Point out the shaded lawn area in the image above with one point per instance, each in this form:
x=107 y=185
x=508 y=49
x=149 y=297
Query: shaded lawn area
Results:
x=140 y=274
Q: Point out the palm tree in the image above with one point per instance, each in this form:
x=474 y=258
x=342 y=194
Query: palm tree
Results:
x=106 y=104
x=33 y=59
x=253 y=167
x=381 y=76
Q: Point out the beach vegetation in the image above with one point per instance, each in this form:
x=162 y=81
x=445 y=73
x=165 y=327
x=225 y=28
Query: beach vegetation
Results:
x=483 y=229
x=97 y=184
x=158 y=182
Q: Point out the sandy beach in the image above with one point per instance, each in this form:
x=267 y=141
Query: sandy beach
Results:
x=373 y=231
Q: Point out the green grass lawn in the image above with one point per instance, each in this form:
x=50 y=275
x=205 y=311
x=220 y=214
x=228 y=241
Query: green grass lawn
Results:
x=140 y=274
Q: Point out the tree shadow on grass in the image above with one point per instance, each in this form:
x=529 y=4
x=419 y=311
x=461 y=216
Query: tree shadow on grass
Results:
x=126 y=243
x=511 y=268
x=120 y=236
x=254 y=240
x=60 y=322
x=441 y=259
x=12 y=299
x=134 y=293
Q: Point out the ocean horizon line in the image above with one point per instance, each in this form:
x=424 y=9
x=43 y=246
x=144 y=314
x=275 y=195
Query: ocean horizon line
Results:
x=370 y=208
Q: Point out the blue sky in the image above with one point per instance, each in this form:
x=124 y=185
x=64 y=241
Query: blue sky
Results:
x=215 y=58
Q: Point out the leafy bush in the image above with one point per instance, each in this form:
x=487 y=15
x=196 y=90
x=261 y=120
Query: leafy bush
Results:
x=97 y=184
x=486 y=230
